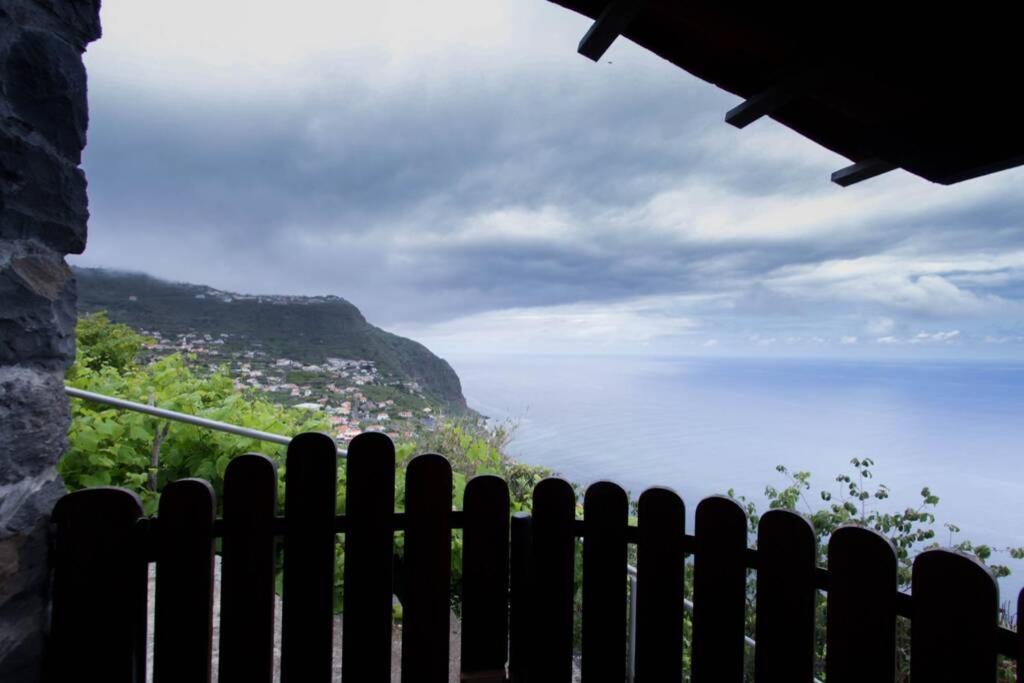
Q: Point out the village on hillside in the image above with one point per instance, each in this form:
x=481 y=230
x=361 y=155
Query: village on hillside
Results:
x=353 y=394
x=278 y=299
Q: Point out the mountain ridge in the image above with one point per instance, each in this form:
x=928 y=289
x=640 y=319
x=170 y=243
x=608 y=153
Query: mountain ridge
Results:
x=304 y=328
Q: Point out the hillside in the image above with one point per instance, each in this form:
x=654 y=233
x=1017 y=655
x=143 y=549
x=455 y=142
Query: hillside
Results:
x=306 y=329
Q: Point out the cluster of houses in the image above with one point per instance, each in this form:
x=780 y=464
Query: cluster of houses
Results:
x=337 y=387
x=204 y=344
x=279 y=299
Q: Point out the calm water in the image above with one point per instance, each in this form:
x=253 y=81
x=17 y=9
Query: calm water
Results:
x=704 y=426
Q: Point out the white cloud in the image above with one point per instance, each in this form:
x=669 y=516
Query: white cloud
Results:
x=902 y=282
x=609 y=327
x=759 y=340
x=549 y=224
x=704 y=209
x=935 y=337
x=430 y=164
x=880 y=326
x=253 y=46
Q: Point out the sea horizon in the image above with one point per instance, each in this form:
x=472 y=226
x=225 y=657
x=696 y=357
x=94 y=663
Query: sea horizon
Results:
x=704 y=425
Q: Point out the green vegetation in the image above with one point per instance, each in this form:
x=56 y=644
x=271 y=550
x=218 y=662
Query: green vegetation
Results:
x=304 y=377
x=853 y=500
x=402 y=399
x=141 y=453
x=307 y=329
x=110 y=447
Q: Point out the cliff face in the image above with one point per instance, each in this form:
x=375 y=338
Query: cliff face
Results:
x=307 y=329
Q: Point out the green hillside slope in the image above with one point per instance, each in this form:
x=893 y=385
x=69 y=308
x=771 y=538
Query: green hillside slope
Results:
x=307 y=329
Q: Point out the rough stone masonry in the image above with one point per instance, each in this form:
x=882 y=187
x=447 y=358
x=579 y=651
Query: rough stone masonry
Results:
x=43 y=213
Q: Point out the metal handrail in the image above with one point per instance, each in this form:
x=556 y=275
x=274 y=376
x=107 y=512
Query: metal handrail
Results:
x=180 y=417
x=284 y=441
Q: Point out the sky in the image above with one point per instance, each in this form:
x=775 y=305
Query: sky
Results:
x=458 y=172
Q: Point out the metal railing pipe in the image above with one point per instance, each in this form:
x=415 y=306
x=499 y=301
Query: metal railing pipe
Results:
x=180 y=417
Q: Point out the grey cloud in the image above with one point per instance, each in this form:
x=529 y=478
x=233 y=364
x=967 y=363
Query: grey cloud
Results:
x=366 y=192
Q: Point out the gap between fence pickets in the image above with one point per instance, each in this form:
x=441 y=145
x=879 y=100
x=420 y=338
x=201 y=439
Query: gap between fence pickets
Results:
x=455 y=636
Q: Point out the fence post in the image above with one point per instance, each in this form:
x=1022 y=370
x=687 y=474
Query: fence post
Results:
x=247 y=570
x=552 y=577
x=955 y=617
x=1020 y=637
x=520 y=597
x=660 y=584
x=785 y=598
x=605 y=517
x=99 y=590
x=861 y=623
x=719 y=591
x=485 y=584
x=183 y=624
x=428 y=558
x=369 y=553
x=307 y=627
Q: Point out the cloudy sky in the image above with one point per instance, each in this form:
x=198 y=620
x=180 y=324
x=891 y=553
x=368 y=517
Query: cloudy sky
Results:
x=456 y=170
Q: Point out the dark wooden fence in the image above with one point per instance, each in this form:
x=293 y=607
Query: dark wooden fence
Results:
x=518 y=578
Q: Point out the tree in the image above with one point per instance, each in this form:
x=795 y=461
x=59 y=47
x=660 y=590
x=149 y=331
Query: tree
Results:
x=103 y=344
x=142 y=453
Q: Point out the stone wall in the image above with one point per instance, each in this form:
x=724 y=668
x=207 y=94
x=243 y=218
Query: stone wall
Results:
x=43 y=212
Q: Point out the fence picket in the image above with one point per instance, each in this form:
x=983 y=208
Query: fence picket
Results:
x=369 y=551
x=605 y=516
x=861 y=622
x=518 y=584
x=99 y=591
x=183 y=624
x=785 y=599
x=719 y=591
x=485 y=584
x=247 y=571
x=955 y=616
x=552 y=575
x=520 y=625
x=660 y=586
x=428 y=550
x=307 y=619
x=1020 y=637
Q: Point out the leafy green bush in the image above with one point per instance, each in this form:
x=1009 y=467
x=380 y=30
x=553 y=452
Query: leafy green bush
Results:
x=853 y=500
x=102 y=344
x=142 y=453
x=111 y=447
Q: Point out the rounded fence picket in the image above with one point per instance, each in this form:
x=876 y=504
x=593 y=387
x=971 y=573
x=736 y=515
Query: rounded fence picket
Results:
x=518 y=581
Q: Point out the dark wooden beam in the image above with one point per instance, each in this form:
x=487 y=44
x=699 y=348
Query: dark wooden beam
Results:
x=862 y=170
x=759 y=105
x=614 y=19
x=774 y=98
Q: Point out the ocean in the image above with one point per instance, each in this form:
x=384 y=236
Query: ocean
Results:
x=704 y=426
